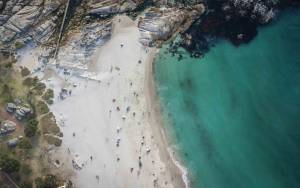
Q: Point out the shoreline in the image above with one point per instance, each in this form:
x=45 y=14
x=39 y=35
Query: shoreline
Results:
x=166 y=140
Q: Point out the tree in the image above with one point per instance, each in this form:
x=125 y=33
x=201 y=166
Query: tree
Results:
x=31 y=128
x=9 y=165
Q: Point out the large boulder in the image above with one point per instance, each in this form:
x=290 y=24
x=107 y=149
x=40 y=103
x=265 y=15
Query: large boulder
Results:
x=159 y=24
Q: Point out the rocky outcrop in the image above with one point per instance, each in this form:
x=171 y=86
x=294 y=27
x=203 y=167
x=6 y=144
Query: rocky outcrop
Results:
x=76 y=53
x=104 y=8
x=159 y=24
x=25 y=20
x=261 y=11
x=235 y=20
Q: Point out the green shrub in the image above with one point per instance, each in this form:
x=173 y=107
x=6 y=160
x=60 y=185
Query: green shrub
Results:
x=9 y=165
x=19 y=45
x=42 y=108
x=53 y=140
x=48 y=125
x=6 y=93
x=25 y=143
x=48 y=96
x=39 y=88
x=31 y=128
x=49 y=181
x=30 y=82
x=26 y=184
x=25 y=71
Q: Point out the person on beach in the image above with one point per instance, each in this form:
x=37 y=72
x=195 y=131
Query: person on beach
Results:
x=98 y=178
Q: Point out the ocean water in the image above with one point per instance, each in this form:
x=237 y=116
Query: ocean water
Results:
x=235 y=114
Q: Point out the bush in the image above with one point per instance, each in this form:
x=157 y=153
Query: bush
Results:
x=48 y=96
x=26 y=184
x=9 y=165
x=8 y=65
x=25 y=71
x=53 y=140
x=25 y=143
x=42 y=108
x=48 y=125
x=6 y=93
x=39 y=88
x=19 y=45
x=29 y=82
x=49 y=181
x=31 y=128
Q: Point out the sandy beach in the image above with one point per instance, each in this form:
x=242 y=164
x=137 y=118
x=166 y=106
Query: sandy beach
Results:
x=110 y=118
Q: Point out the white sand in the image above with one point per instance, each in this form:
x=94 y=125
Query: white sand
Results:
x=86 y=113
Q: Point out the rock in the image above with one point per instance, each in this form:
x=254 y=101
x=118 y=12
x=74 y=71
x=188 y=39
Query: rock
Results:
x=79 y=48
x=42 y=32
x=159 y=24
x=24 y=20
x=111 y=7
x=6 y=35
x=262 y=11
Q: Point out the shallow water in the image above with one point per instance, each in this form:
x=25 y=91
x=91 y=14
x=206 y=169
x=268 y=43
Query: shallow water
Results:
x=235 y=114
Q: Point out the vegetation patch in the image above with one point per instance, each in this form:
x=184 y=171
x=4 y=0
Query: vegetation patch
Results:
x=48 y=124
x=8 y=164
x=48 y=96
x=39 y=88
x=24 y=143
x=41 y=108
x=49 y=181
x=31 y=128
x=21 y=161
x=25 y=71
x=19 y=45
x=53 y=140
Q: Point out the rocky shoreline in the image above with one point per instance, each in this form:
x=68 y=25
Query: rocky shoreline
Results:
x=200 y=22
x=233 y=20
x=38 y=21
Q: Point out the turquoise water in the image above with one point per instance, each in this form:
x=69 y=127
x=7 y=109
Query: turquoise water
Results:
x=235 y=114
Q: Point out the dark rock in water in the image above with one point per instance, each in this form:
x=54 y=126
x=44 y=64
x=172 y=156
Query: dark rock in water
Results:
x=234 y=20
